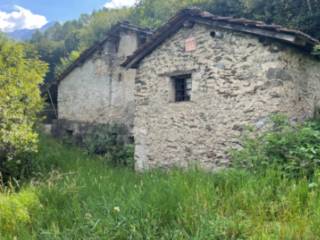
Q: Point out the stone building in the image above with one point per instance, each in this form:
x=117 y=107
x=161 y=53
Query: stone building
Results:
x=201 y=78
x=96 y=89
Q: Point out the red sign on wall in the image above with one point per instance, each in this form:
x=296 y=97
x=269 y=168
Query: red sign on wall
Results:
x=190 y=44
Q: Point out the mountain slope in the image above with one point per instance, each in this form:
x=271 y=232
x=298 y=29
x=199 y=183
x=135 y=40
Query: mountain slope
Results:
x=26 y=34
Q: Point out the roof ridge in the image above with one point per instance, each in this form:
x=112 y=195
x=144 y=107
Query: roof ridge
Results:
x=248 y=26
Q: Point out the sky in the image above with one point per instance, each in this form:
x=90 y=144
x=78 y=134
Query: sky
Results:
x=32 y=14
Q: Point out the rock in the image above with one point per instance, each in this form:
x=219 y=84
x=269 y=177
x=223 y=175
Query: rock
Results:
x=278 y=73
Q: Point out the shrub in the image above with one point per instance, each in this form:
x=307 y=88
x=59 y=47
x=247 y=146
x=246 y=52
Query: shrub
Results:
x=65 y=62
x=111 y=141
x=293 y=148
x=20 y=102
x=316 y=50
x=16 y=210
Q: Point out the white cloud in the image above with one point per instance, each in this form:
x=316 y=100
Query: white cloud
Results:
x=120 y=3
x=20 y=18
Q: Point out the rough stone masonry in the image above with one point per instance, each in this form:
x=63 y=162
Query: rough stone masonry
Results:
x=96 y=89
x=238 y=79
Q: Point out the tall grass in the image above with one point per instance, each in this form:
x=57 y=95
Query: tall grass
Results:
x=83 y=198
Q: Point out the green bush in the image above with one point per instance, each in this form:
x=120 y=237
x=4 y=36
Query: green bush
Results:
x=293 y=148
x=111 y=141
x=20 y=102
x=17 y=210
x=316 y=50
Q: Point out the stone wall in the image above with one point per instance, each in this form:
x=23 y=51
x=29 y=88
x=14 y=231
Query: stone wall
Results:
x=100 y=91
x=79 y=132
x=237 y=79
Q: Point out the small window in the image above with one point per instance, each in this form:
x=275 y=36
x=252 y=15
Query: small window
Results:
x=182 y=86
x=69 y=132
x=120 y=77
x=131 y=139
x=216 y=34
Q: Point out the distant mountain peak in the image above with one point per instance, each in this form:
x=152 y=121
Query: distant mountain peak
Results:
x=26 y=34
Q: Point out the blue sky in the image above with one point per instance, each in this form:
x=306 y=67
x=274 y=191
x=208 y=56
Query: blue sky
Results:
x=17 y=14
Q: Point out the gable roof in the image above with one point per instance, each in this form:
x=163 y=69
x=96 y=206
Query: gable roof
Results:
x=111 y=34
x=195 y=15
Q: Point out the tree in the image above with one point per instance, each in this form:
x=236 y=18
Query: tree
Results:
x=21 y=73
x=65 y=62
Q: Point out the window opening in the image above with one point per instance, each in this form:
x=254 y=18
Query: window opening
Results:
x=213 y=34
x=183 y=87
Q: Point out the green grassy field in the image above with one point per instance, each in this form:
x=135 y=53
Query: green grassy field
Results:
x=75 y=196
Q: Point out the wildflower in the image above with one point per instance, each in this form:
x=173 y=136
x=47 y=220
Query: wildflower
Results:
x=116 y=209
x=313 y=185
x=87 y=216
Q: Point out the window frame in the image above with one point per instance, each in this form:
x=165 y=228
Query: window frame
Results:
x=182 y=87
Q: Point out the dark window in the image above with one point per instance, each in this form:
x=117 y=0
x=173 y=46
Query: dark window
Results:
x=183 y=87
x=131 y=139
x=69 y=132
x=120 y=77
